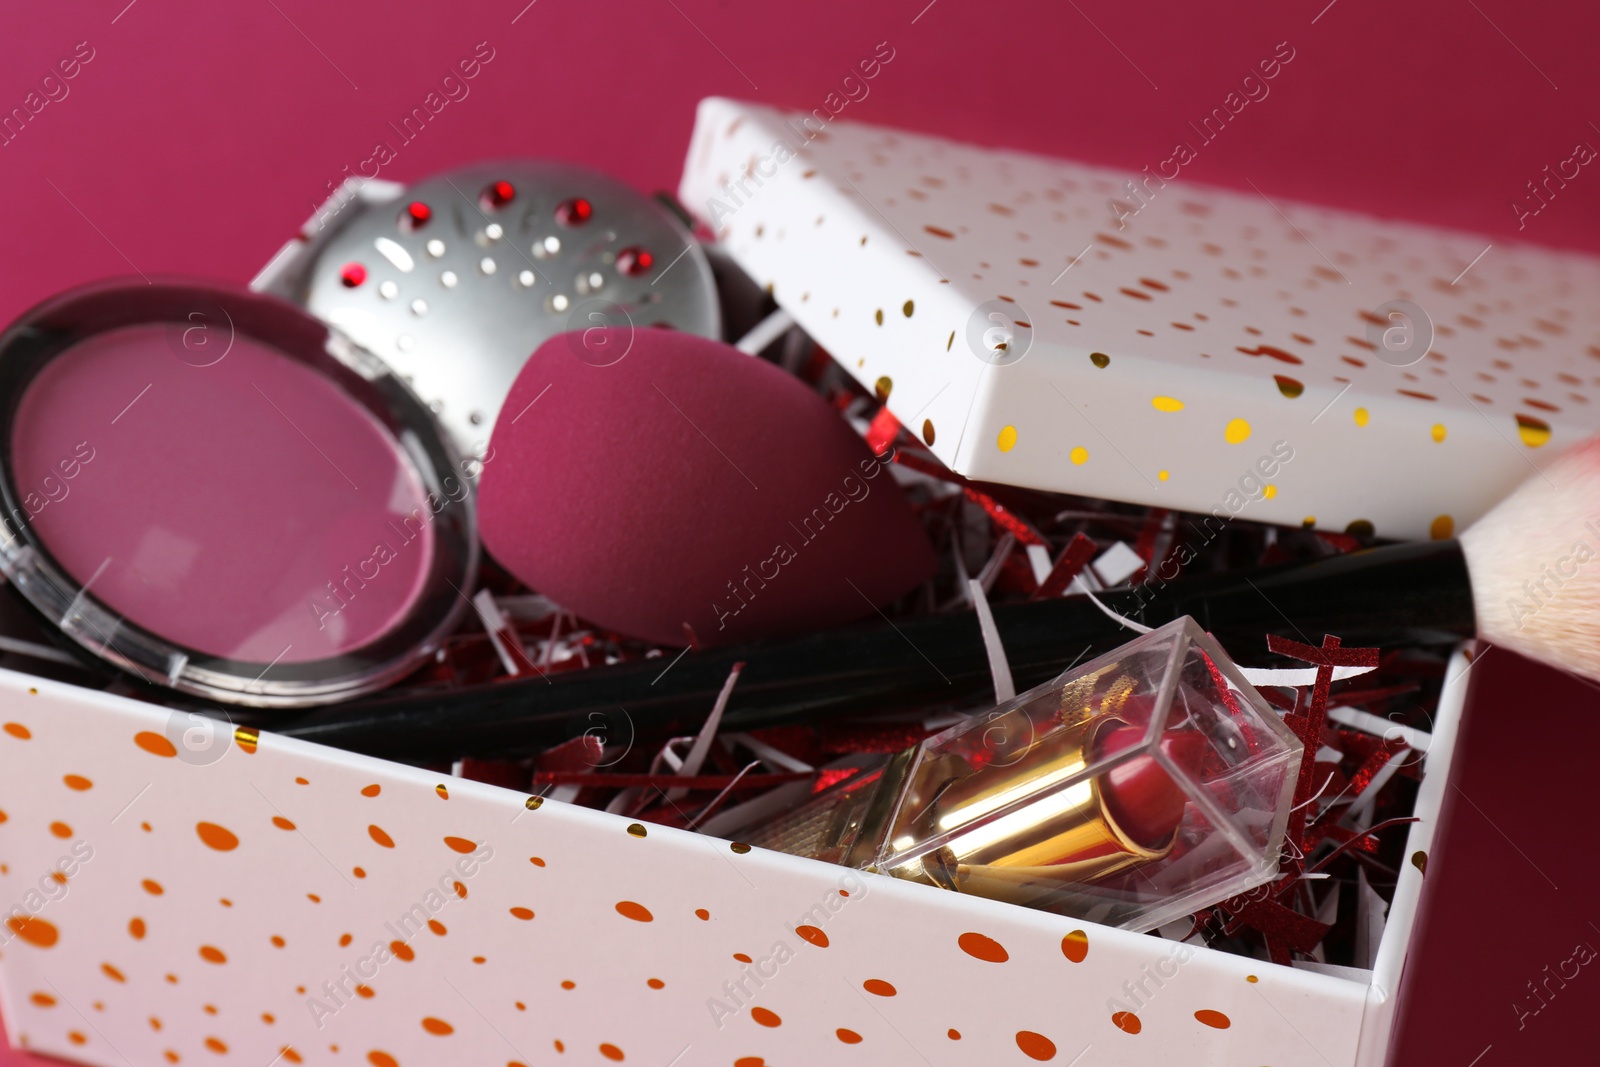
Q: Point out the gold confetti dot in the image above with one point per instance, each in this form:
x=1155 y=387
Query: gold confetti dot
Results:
x=813 y=935
x=1166 y=403
x=1359 y=528
x=1075 y=946
x=1269 y=492
x=1289 y=387
x=907 y=308
x=1534 y=432
x=883 y=387
x=1236 y=432
x=983 y=947
x=1361 y=416
x=1439 y=431
x=40 y=933
x=1442 y=528
x=1100 y=359
x=1036 y=1046
x=878 y=316
x=927 y=430
x=152 y=743
x=218 y=837
x=637 y=829
x=1079 y=456
x=1007 y=439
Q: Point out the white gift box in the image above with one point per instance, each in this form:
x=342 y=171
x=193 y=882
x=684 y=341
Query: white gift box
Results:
x=256 y=899
x=1057 y=326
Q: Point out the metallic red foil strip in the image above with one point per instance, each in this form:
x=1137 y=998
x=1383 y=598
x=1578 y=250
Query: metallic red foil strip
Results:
x=882 y=431
x=1375 y=763
x=1006 y=518
x=1309 y=726
x=1076 y=556
x=1357 y=841
x=1155 y=523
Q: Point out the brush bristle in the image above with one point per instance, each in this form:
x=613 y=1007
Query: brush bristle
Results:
x=1535 y=565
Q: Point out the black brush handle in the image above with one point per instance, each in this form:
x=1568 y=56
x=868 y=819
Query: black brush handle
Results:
x=1410 y=592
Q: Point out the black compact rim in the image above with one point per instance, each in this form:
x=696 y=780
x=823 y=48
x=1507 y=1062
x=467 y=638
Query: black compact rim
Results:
x=55 y=325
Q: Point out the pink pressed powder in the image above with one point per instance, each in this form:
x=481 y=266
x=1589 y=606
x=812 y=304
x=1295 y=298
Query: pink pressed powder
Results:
x=248 y=509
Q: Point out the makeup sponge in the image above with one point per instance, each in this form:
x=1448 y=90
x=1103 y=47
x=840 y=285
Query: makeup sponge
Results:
x=672 y=488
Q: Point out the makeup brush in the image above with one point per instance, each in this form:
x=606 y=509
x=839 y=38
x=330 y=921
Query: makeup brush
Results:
x=1522 y=577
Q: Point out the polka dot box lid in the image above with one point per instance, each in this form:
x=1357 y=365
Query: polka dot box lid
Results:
x=174 y=897
x=1058 y=326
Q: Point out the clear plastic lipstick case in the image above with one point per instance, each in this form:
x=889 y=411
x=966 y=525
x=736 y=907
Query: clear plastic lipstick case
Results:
x=1130 y=791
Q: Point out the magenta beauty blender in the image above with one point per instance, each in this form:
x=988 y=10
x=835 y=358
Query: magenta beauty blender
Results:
x=672 y=488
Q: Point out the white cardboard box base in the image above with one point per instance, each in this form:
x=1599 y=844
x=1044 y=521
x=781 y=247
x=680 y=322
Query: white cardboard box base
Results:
x=221 y=912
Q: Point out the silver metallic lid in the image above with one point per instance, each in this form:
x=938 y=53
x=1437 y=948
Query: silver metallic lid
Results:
x=454 y=281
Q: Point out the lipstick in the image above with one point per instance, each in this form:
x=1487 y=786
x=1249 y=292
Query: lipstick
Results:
x=1138 y=787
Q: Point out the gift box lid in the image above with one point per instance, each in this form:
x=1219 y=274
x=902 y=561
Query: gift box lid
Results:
x=1141 y=337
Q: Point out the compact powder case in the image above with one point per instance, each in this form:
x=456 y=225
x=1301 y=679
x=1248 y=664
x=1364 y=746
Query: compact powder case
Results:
x=454 y=281
x=213 y=490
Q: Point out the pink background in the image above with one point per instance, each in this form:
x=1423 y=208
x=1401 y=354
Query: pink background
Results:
x=196 y=142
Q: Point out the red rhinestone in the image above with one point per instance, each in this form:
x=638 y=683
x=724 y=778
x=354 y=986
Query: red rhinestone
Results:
x=499 y=194
x=634 y=261
x=417 y=213
x=353 y=275
x=574 y=212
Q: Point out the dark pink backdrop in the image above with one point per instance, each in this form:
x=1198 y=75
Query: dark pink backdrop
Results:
x=200 y=135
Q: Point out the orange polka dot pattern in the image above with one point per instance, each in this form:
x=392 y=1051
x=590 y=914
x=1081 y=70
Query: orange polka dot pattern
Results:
x=1208 y=327
x=224 y=921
